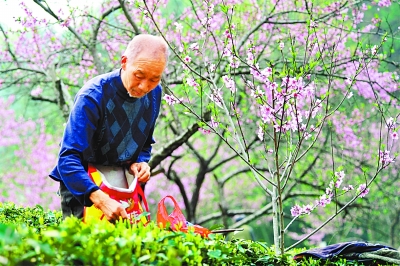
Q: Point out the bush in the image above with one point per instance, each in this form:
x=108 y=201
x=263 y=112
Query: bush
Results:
x=32 y=236
x=35 y=217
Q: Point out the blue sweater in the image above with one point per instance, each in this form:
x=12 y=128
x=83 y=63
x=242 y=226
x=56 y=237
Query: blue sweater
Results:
x=106 y=126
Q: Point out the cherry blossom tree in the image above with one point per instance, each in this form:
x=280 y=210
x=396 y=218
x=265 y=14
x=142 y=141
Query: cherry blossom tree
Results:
x=29 y=153
x=290 y=86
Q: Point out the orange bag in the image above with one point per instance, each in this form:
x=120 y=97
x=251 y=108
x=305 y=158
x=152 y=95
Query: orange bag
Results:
x=176 y=219
x=128 y=195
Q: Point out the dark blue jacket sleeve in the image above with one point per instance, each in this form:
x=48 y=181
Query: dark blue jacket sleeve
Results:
x=76 y=148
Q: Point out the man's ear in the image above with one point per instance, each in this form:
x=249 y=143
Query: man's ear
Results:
x=124 y=60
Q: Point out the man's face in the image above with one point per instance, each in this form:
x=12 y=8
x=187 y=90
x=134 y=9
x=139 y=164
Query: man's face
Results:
x=141 y=75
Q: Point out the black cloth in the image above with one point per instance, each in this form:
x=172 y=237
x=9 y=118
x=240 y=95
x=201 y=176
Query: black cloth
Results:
x=351 y=251
x=70 y=206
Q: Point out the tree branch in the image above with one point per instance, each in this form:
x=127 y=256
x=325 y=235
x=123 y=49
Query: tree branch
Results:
x=128 y=16
x=49 y=11
x=173 y=145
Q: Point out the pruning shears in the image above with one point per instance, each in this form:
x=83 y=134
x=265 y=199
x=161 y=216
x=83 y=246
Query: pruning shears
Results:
x=226 y=230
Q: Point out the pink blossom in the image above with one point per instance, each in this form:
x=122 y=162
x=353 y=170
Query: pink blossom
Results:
x=229 y=83
x=340 y=176
x=234 y=62
x=261 y=75
x=228 y=34
x=66 y=22
x=390 y=123
x=257 y=92
x=205 y=131
x=214 y=123
x=295 y=210
x=216 y=97
x=384 y=3
x=192 y=83
x=317 y=107
x=313 y=24
x=210 y=9
x=212 y=67
x=307 y=135
x=307 y=209
x=364 y=7
x=363 y=190
x=395 y=135
x=266 y=72
x=384 y=158
x=375 y=20
x=205 y=21
x=170 y=99
x=281 y=45
x=358 y=16
x=36 y=92
x=187 y=59
x=324 y=200
x=374 y=49
x=266 y=113
x=348 y=188
x=227 y=52
x=250 y=57
x=329 y=190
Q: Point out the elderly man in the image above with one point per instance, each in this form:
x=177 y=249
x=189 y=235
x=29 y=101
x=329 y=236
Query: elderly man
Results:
x=112 y=124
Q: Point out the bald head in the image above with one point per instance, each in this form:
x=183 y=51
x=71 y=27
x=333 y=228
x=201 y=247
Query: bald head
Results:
x=143 y=64
x=147 y=45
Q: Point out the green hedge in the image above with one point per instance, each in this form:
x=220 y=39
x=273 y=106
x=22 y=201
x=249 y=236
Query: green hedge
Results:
x=32 y=236
x=35 y=217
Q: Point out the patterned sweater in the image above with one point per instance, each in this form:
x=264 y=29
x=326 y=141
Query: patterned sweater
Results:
x=106 y=126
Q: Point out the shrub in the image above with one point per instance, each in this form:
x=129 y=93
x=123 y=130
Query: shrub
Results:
x=35 y=217
x=32 y=236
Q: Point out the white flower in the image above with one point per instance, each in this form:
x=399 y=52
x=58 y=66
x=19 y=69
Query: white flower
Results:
x=260 y=133
x=178 y=26
x=194 y=46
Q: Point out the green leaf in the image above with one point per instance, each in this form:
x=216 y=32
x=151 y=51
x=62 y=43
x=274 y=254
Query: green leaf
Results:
x=240 y=248
x=224 y=8
x=365 y=169
x=162 y=256
x=216 y=226
x=144 y=258
x=214 y=253
x=7 y=234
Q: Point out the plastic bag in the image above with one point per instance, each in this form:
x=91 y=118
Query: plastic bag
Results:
x=120 y=186
x=176 y=219
x=367 y=253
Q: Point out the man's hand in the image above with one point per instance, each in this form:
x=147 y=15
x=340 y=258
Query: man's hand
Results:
x=141 y=171
x=112 y=209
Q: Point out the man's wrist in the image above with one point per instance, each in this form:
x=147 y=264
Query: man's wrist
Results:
x=98 y=198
